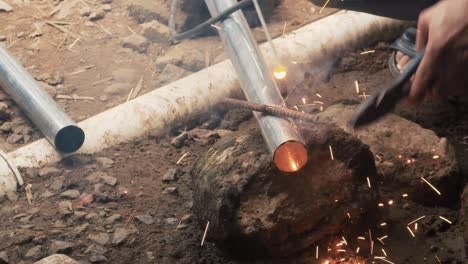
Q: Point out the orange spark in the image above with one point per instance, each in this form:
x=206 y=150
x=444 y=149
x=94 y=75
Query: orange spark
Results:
x=416 y=220
x=331 y=152
x=405 y=195
x=318 y=95
x=385 y=253
x=323 y=7
x=367 y=52
x=368 y=183
x=432 y=186
x=445 y=219
x=411 y=231
x=356 y=84
x=280 y=72
x=204 y=234
x=316 y=252
x=390 y=202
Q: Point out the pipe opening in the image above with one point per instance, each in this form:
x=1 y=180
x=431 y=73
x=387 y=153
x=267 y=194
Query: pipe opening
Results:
x=291 y=156
x=69 y=139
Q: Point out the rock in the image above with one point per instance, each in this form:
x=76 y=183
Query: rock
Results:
x=50 y=172
x=100 y=238
x=80 y=229
x=117 y=89
x=102 y=177
x=182 y=56
x=106 y=1
x=51 y=79
x=254 y=209
x=58 y=183
x=170 y=190
x=171 y=221
x=170 y=175
x=5 y=7
x=4 y=257
x=172 y=73
x=136 y=42
x=85 y=11
x=411 y=149
x=61 y=247
x=6 y=127
x=124 y=75
x=145 y=219
x=4 y=112
x=3 y=38
x=91 y=217
x=35 y=253
x=57 y=259
x=113 y=219
x=15 y=139
x=23 y=237
x=156 y=32
x=97 y=258
x=70 y=194
x=106 y=7
x=234 y=118
x=23 y=130
x=179 y=140
x=97 y=14
x=46 y=194
x=97 y=249
x=65 y=208
x=104 y=162
x=121 y=235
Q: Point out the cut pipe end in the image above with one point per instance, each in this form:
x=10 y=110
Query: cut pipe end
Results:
x=291 y=156
x=69 y=139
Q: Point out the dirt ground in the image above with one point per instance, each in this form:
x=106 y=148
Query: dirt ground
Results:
x=132 y=203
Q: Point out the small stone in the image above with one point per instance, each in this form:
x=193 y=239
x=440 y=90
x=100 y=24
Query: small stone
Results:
x=79 y=214
x=58 y=183
x=106 y=7
x=170 y=175
x=156 y=32
x=97 y=258
x=88 y=24
x=19 y=216
x=103 y=98
x=96 y=249
x=109 y=180
x=15 y=139
x=57 y=259
x=46 y=194
x=23 y=130
x=106 y=1
x=136 y=42
x=4 y=7
x=6 y=127
x=172 y=73
x=85 y=11
x=97 y=14
x=70 y=194
x=113 y=219
x=101 y=177
x=4 y=257
x=124 y=75
x=121 y=235
x=170 y=190
x=145 y=219
x=171 y=221
x=4 y=112
x=35 y=253
x=91 y=216
x=23 y=237
x=51 y=79
x=20 y=34
x=104 y=162
x=181 y=226
x=60 y=247
x=100 y=238
x=117 y=88
x=3 y=38
x=65 y=208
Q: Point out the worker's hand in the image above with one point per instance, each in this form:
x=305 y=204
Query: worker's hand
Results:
x=443 y=29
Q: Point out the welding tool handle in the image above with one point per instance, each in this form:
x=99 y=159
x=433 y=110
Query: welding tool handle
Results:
x=401 y=82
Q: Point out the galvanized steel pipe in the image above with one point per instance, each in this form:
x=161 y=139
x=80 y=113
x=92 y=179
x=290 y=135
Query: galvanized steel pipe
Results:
x=281 y=138
x=43 y=111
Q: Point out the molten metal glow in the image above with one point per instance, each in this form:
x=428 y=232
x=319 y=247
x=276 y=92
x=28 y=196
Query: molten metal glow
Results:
x=291 y=156
x=280 y=72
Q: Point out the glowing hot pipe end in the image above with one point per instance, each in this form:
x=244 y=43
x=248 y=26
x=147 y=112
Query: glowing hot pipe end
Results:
x=291 y=156
x=280 y=72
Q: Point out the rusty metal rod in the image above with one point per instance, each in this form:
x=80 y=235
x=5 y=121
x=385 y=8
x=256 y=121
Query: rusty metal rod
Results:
x=270 y=109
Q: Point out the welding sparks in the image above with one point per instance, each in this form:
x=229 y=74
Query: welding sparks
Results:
x=435 y=157
x=411 y=231
x=415 y=226
x=361 y=238
x=432 y=186
x=341 y=250
x=383 y=224
x=303 y=100
x=323 y=7
x=318 y=95
x=372 y=247
x=344 y=240
x=385 y=253
x=215 y=26
x=331 y=152
x=404 y=195
x=438 y=259
x=416 y=220
x=316 y=252
x=356 y=84
x=280 y=72
x=368 y=183
x=390 y=202
x=384 y=259
x=381 y=205
x=357 y=250
x=349 y=215
x=204 y=234
x=367 y=52
x=181 y=158
x=445 y=219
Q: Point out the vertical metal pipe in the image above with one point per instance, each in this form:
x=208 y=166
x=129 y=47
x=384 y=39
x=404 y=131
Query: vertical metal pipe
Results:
x=43 y=111
x=282 y=139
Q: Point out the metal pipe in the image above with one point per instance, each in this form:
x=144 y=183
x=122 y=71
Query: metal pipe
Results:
x=43 y=111
x=282 y=139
